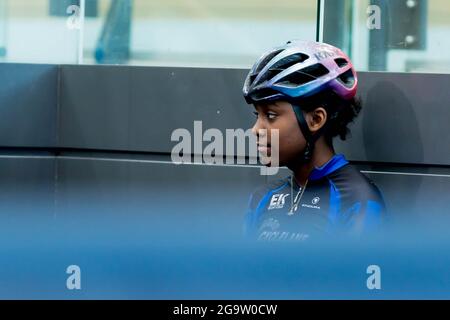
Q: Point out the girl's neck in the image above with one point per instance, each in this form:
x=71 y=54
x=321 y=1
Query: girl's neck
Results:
x=322 y=154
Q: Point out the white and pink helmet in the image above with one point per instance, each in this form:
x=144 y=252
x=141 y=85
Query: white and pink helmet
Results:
x=300 y=69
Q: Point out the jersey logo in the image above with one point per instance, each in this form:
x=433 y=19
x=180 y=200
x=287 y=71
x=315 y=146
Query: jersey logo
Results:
x=277 y=201
x=313 y=204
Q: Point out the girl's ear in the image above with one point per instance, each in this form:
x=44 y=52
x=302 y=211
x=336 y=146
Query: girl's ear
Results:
x=316 y=119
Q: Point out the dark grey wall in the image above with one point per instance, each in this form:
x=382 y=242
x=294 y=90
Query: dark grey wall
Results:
x=405 y=119
x=137 y=108
x=28 y=105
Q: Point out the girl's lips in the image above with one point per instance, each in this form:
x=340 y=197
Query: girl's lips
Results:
x=260 y=144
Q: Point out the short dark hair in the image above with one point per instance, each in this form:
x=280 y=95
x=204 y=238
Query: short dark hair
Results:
x=340 y=113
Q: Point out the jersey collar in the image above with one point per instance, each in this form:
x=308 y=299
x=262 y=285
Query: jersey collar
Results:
x=336 y=162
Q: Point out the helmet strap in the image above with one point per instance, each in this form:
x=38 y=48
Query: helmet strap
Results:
x=309 y=137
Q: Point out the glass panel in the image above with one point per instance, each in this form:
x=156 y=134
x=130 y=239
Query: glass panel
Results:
x=39 y=31
x=207 y=33
x=394 y=35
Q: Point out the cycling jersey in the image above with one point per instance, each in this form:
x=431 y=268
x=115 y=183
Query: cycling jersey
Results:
x=336 y=198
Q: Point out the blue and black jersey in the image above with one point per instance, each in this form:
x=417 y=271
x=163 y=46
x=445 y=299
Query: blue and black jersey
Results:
x=336 y=198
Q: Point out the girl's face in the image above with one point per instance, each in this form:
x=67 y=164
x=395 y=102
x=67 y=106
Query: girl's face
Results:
x=279 y=115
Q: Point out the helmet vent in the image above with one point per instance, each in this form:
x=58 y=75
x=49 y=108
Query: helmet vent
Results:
x=282 y=65
x=304 y=76
x=263 y=94
x=316 y=70
x=341 y=62
x=347 y=78
x=252 y=78
x=289 y=61
x=266 y=60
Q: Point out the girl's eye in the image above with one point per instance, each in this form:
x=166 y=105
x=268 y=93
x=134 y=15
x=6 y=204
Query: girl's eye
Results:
x=255 y=113
x=271 y=116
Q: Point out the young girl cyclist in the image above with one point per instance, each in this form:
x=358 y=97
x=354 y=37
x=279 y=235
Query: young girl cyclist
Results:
x=307 y=91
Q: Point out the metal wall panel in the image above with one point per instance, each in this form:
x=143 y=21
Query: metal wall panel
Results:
x=28 y=105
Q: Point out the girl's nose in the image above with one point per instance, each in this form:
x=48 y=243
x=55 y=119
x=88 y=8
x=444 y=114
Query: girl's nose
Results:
x=257 y=127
